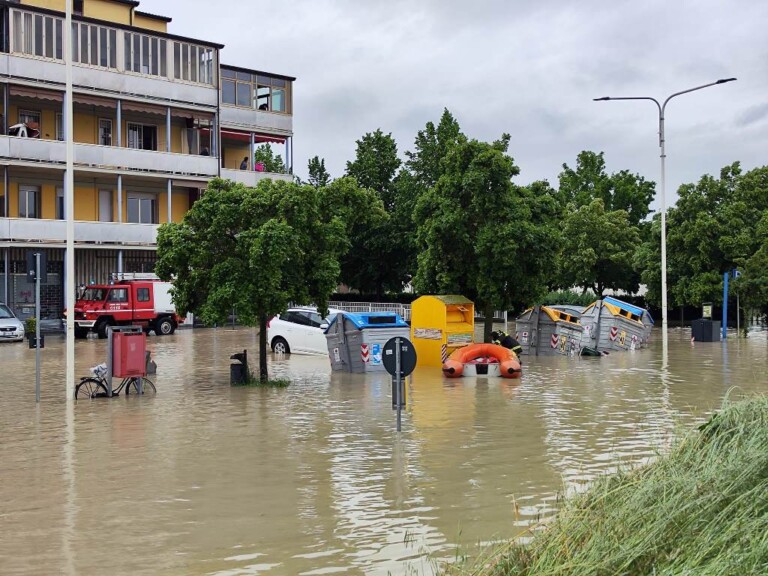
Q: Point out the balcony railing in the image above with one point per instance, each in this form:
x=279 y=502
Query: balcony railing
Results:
x=250 y=178
x=54 y=231
x=247 y=119
x=108 y=157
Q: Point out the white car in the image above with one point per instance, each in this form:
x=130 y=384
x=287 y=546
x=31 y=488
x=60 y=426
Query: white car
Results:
x=11 y=328
x=299 y=331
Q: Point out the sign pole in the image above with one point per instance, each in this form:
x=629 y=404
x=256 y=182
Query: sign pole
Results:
x=398 y=392
x=37 y=327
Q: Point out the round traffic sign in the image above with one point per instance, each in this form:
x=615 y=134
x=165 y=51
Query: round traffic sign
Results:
x=407 y=356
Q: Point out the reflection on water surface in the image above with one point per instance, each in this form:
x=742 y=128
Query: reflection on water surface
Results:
x=313 y=479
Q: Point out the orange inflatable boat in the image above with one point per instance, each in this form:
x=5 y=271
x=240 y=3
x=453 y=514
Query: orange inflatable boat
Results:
x=483 y=354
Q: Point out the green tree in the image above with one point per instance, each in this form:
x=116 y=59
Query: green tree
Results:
x=272 y=162
x=318 y=175
x=598 y=249
x=619 y=191
x=378 y=259
x=430 y=147
x=253 y=250
x=475 y=230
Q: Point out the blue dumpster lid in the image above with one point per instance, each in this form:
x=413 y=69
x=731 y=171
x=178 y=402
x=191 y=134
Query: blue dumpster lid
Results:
x=636 y=310
x=363 y=320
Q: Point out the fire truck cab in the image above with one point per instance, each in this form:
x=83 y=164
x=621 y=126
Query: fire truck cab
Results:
x=128 y=301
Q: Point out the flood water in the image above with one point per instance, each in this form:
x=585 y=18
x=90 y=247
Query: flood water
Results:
x=313 y=479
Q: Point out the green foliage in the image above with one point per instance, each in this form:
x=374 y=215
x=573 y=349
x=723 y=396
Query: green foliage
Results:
x=717 y=225
x=254 y=250
x=272 y=162
x=30 y=326
x=381 y=252
x=619 y=191
x=318 y=175
x=563 y=297
x=701 y=509
x=598 y=249
x=254 y=382
x=430 y=148
x=476 y=231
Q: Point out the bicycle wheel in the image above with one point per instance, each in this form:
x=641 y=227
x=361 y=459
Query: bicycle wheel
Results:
x=148 y=387
x=90 y=388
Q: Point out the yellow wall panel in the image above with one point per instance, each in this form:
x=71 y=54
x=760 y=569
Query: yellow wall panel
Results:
x=233 y=155
x=48 y=201
x=177 y=133
x=13 y=200
x=49 y=4
x=86 y=203
x=85 y=128
x=180 y=206
x=149 y=23
x=107 y=10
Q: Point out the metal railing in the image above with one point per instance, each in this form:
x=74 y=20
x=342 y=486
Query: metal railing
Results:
x=404 y=310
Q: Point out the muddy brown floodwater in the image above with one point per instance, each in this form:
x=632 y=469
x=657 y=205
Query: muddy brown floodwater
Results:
x=313 y=479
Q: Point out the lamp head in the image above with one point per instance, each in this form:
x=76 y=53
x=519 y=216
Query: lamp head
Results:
x=601 y=99
x=724 y=80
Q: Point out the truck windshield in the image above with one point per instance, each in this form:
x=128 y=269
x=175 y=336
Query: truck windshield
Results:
x=94 y=294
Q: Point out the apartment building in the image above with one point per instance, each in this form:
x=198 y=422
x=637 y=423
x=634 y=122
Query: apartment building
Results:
x=156 y=116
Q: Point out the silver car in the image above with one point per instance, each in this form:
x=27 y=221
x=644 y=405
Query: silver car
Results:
x=11 y=328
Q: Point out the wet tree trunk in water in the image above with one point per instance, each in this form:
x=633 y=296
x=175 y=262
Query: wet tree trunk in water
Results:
x=263 y=374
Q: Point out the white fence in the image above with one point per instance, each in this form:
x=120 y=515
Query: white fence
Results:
x=403 y=309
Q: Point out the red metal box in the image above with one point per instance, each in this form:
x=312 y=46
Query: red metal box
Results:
x=128 y=350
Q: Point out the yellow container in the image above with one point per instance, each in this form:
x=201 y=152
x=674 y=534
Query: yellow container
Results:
x=440 y=325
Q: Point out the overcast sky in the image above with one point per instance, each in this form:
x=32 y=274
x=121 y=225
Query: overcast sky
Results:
x=526 y=67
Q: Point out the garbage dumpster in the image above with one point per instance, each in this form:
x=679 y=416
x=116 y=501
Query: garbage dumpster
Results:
x=705 y=330
x=440 y=325
x=355 y=340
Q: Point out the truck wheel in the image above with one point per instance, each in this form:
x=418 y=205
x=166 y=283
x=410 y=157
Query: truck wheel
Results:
x=101 y=328
x=81 y=333
x=165 y=327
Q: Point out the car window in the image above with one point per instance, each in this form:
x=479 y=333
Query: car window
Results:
x=295 y=317
x=5 y=312
x=118 y=295
x=315 y=319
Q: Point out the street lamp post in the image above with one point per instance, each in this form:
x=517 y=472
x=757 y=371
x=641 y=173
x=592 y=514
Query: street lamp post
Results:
x=662 y=107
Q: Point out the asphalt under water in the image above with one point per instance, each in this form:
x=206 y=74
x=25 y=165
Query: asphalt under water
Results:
x=313 y=479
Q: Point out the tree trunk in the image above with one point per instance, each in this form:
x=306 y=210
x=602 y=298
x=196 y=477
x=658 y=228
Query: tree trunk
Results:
x=263 y=374
x=488 y=323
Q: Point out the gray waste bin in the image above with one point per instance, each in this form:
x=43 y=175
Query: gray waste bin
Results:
x=355 y=340
x=705 y=330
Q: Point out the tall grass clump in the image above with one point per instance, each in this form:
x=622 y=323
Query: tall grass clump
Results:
x=700 y=510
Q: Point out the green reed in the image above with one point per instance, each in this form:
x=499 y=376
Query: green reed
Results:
x=701 y=509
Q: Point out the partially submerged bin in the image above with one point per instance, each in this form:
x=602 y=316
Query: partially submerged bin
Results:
x=611 y=324
x=129 y=354
x=549 y=330
x=355 y=340
x=440 y=325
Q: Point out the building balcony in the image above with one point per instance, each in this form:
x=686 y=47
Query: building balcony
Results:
x=95 y=157
x=105 y=81
x=251 y=178
x=35 y=231
x=256 y=121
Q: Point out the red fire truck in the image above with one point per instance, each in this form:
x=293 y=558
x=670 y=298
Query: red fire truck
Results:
x=128 y=301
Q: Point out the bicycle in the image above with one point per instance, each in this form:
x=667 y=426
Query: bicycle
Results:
x=95 y=386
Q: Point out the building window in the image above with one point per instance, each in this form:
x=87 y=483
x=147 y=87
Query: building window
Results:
x=142 y=136
x=37 y=35
x=260 y=91
x=105 y=131
x=29 y=197
x=193 y=63
x=142 y=208
x=32 y=119
x=59 y=203
x=145 y=54
x=59 y=126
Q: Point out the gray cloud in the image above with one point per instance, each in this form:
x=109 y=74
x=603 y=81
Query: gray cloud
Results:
x=530 y=68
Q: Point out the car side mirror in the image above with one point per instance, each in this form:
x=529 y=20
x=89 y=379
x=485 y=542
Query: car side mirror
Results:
x=324 y=326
